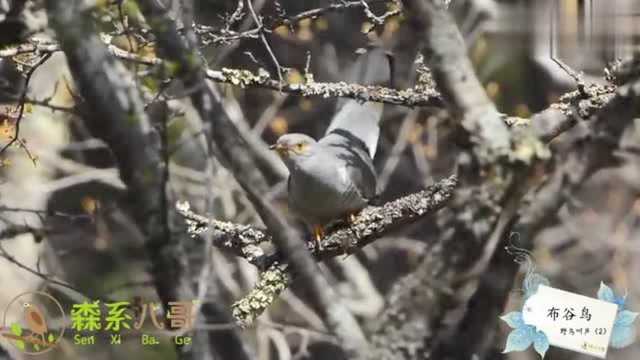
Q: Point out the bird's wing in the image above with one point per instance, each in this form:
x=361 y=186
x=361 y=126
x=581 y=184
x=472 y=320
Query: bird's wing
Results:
x=362 y=120
x=350 y=152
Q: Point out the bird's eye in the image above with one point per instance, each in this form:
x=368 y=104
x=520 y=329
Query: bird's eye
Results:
x=299 y=146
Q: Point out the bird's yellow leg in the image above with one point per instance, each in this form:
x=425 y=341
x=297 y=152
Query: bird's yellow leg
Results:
x=318 y=234
x=352 y=218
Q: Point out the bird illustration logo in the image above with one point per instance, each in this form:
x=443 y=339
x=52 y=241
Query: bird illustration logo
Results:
x=35 y=320
x=28 y=319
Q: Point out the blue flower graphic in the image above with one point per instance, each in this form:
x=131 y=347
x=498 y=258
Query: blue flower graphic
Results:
x=623 y=332
x=523 y=335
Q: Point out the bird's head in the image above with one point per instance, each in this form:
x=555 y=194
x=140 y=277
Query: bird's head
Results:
x=294 y=147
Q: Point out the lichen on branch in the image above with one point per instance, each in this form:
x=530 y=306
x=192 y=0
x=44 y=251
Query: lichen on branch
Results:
x=341 y=238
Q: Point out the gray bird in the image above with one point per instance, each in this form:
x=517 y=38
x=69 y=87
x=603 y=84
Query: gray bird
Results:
x=334 y=177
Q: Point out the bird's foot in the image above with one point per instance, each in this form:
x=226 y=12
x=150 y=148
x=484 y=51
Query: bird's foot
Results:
x=350 y=219
x=318 y=234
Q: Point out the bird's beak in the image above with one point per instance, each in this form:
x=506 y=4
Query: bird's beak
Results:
x=281 y=149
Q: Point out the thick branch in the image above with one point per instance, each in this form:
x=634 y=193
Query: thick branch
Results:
x=481 y=214
x=118 y=117
x=343 y=238
x=340 y=239
x=375 y=221
x=15 y=230
x=453 y=72
x=411 y=326
x=571 y=108
x=547 y=124
x=246 y=78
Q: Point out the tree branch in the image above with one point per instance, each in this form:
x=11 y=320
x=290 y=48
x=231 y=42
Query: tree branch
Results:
x=118 y=118
x=585 y=155
x=246 y=78
x=493 y=167
x=233 y=152
x=483 y=212
x=341 y=239
x=453 y=72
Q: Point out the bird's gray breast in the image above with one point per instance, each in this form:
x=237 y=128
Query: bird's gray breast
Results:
x=329 y=185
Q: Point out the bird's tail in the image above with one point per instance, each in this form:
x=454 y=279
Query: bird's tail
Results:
x=372 y=67
x=362 y=120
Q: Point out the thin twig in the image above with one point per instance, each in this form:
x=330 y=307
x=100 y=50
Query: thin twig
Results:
x=398 y=148
x=263 y=38
x=21 y=104
x=46 y=278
